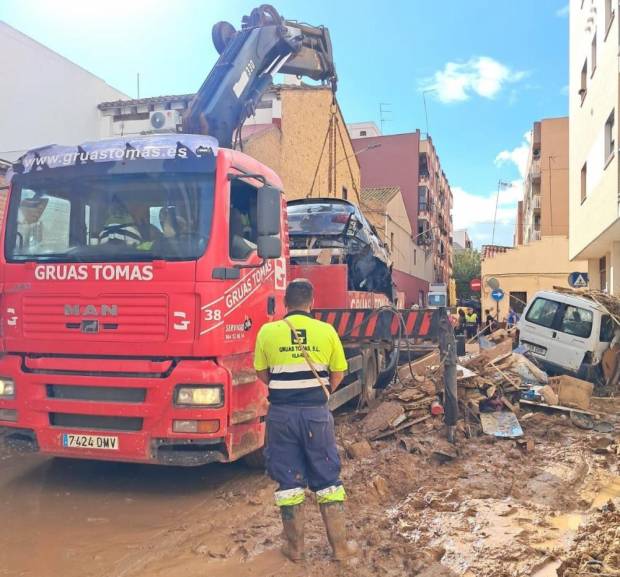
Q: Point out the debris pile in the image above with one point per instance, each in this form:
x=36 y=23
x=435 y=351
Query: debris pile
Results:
x=493 y=387
x=596 y=550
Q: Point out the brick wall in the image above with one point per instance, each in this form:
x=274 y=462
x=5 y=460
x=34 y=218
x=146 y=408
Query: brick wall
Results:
x=295 y=152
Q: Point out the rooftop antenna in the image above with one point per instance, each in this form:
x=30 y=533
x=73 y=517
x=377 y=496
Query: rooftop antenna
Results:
x=501 y=185
x=384 y=109
x=424 y=93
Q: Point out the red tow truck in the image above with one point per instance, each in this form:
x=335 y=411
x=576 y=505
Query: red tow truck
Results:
x=135 y=273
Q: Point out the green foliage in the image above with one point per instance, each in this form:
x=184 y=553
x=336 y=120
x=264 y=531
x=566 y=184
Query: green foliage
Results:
x=466 y=268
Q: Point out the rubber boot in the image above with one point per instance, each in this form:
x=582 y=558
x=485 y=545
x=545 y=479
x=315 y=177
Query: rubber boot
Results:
x=334 y=520
x=293 y=524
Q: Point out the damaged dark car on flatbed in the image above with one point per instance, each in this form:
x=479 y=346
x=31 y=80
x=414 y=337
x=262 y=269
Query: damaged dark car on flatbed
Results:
x=334 y=231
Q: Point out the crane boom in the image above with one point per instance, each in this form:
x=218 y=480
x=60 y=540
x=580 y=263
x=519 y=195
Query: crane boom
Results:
x=249 y=58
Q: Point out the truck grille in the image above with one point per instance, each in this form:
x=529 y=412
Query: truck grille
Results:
x=101 y=394
x=69 y=420
x=124 y=318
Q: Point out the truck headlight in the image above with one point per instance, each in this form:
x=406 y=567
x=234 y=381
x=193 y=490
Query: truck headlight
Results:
x=200 y=396
x=7 y=388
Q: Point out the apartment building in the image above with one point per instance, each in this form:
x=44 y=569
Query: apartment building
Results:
x=540 y=259
x=545 y=191
x=45 y=98
x=594 y=98
x=461 y=241
x=434 y=211
x=410 y=163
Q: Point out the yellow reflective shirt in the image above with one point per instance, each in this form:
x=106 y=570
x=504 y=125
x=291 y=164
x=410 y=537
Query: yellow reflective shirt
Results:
x=291 y=380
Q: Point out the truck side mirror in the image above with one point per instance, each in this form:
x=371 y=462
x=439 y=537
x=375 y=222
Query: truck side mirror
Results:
x=269 y=221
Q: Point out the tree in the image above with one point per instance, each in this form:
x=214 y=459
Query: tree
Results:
x=466 y=268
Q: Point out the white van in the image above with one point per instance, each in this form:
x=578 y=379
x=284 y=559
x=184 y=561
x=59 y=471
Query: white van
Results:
x=566 y=333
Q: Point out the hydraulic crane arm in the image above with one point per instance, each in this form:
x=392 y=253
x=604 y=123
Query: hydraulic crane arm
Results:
x=265 y=45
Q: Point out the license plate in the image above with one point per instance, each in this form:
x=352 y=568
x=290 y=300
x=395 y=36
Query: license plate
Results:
x=541 y=351
x=103 y=442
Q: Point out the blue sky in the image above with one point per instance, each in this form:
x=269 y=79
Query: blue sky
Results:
x=494 y=67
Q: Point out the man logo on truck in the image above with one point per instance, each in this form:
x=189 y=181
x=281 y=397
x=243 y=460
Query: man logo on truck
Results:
x=91 y=311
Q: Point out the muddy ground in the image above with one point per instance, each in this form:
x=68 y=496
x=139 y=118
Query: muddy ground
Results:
x=494 y=510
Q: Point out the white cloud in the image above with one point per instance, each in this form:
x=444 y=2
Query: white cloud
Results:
x=476 y=213
x=562 y=12
x=483 y=76
x=517 y=156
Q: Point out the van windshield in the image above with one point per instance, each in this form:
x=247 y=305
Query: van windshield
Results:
x=111 y=217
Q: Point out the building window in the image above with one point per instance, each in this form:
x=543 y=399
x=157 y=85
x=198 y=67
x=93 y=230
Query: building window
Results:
x=345 y=193
x=602 y=273
x=423 y=165
x=362 y=133
x=610 y=143
x=392 y=241
x=584 y=182
x=584 y=81
x=593 y=54
x=609 y=16
x=423 y=199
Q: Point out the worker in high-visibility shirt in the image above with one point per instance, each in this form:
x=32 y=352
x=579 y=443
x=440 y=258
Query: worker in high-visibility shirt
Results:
x=471 y=323
x=301 y=445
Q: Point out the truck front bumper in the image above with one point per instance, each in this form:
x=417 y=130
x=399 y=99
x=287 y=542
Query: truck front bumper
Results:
x=129 y=402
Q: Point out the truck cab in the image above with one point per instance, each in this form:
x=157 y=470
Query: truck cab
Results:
x=135 y=274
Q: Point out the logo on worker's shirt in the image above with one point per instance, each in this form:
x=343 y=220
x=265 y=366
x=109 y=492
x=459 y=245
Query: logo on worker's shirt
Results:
x=303 y=338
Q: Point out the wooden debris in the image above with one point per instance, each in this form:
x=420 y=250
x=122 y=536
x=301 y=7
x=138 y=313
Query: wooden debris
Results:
x=401 y=427
x=382 y=417
x=572 y=392
x=526 y=445
x=419 y=366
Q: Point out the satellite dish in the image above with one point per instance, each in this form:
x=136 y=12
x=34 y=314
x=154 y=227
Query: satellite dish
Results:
x=492 y=283
x=158 y=119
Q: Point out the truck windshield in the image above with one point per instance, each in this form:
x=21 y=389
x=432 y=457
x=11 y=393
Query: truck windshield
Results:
x=120 y=217
x=318 y=218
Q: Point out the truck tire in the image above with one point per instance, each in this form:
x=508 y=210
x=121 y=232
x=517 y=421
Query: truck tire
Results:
x=255 y=460
x=386 y=374
x=370 y=373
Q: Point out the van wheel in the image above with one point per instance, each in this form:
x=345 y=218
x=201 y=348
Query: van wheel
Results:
x=369 y=377
x=255 y=460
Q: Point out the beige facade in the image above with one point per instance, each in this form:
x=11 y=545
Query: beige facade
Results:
x=594 y=226
x=298 y=146
x=545 y=198
x=526 y=269
x=540 y=259
x=385 y=209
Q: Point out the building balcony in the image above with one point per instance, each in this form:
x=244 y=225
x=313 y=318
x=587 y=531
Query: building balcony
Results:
x=534 y=172
x=536 y=202
x=535 y=235
x=425 y=209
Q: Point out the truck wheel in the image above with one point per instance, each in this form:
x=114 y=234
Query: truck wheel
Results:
x=369 y=377
x=388 y=368
x=255 y=460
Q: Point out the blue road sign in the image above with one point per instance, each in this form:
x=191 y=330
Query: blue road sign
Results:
x=497 y=294
x=578 y=279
